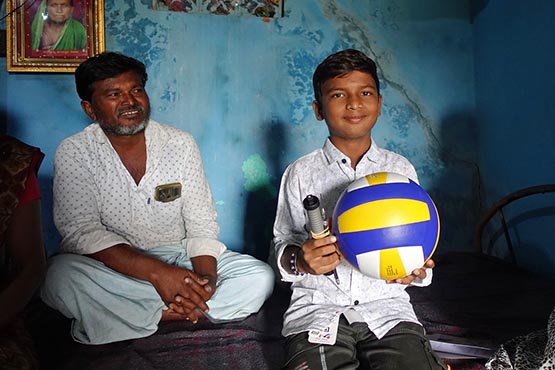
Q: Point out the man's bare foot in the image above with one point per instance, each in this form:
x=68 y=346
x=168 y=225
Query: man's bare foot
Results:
x=169 y=315
x=194 y=316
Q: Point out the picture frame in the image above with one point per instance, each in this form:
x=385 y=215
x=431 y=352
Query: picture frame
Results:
x=53 y=35
x=265 y=9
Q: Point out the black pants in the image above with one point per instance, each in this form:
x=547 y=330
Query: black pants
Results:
x=403 y=347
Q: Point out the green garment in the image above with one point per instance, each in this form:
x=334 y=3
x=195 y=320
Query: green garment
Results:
x=73 y=36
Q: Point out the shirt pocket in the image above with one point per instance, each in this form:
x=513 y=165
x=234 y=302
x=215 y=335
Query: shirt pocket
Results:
x=166 y=216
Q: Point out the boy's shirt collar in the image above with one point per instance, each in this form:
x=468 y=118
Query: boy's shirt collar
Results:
x=334 y=155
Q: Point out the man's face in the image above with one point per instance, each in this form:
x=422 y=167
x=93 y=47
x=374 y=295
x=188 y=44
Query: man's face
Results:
x=119 y=104
x=350 y=105
x=59 y=11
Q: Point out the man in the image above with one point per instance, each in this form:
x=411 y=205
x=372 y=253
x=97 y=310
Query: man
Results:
x=135 y=211
x=54 y=29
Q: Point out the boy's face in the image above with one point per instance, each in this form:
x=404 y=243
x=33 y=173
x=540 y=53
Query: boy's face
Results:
x=350 y=105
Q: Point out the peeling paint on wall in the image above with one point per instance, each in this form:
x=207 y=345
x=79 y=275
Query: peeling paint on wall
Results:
x=230 y=80
x=255 y=173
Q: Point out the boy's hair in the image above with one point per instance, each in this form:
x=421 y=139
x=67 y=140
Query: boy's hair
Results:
x=102 y=66
x=340 y=64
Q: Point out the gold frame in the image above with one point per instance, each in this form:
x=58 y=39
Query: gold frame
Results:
x=20 y=57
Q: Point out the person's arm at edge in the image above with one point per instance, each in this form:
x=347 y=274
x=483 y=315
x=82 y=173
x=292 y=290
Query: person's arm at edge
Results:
x=25 y=245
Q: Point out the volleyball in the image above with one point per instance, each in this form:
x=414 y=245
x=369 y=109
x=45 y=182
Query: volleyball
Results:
x=386 y=225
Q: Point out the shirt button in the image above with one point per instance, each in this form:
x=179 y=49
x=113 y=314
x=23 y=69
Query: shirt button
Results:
x=356 y=302
x=343 y=161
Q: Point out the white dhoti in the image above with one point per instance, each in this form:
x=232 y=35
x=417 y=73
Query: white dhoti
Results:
x=107 y=306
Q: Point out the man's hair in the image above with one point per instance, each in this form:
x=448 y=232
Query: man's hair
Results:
x=340 y=64
x=102 y=66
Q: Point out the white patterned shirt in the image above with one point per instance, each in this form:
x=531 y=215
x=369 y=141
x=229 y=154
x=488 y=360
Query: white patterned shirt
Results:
x=97 y=203
x=316 y=299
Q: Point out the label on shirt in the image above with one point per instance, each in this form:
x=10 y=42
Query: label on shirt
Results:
x=327 y=336
x=167 y=192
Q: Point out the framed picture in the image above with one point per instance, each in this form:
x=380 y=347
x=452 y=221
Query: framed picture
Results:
x=259 y=8
x=53 y=35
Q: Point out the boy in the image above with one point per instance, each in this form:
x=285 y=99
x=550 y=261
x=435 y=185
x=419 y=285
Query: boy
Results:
x=356 y=322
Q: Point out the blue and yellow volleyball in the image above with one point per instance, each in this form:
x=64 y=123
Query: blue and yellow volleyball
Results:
x=386 y=225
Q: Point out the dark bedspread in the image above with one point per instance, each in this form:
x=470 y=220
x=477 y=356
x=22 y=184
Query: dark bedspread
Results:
x=474 y=299
x=482 y=299
x=254 y=343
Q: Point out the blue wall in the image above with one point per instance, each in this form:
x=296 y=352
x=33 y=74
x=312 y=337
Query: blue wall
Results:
x=242 y=87
x=515 y=74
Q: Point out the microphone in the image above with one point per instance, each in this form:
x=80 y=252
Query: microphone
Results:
x=316 y=223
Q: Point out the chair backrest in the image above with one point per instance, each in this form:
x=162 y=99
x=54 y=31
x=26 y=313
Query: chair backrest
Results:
x=497 y=209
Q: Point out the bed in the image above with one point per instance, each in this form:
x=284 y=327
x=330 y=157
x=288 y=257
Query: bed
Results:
x=482 y=299
x=476 y=299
